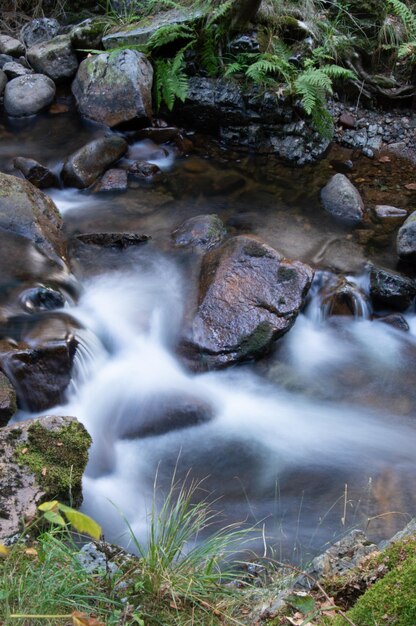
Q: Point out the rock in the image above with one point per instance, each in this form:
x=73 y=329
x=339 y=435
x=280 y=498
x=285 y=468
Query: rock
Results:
x=249 y=295
x=14 y=70
x=406 y=239
x=55 y=58
x=396 y=320
x=3 y=82
x=347 y=120
x=39 y=30
x=391 y=289
x=113 y=240
x=408 y=531
x=35 y=172
x=342 y=200
x=6 y=58
x=11 y=46
x=341 y=297
x=140 y=33
x=389 y=216
x=87 y=35
x=203 y=232
x=42 y=459
x=247 y=42
x=83 y=167
x=115 y=88
x=143 y=169
x=28 y=95
x=42 y=298
x=7 y=400
x=95 y=558
x=113 y=180
x=165 y=413
x=26 y=211
x=158 y=135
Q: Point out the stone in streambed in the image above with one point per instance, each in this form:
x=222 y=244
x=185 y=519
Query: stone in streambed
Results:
x=391 y=289
x=113 y=240
x=144 y=169
x=203 y=232
x=83 y=167
x=38 y=30
x=7 y=400
x=11 y=46
x=14 y=70
x=28 y=95
x=113 y=180
x=38 y=299
x=55 y=58
x=389 y=216
x=397 y=320
x=115 y=88
x=42 y=459
x=340 y=297
x=3 y=82
x=342 y=200
x=249 y=295
x=36 y=173
x=406 y=239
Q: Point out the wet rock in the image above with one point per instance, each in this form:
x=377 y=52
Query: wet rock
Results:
x=389 y=216
x=83 y=167
x=87 y=35
x=203 y=232
x=35 y=172
x=249 y=295
x=28 y=95
x=113 y=240
x=406 y=239
x=391 y=289
x=140 y=33
x=115 y=88
x=143 y=169
x=113 y=180
x=11 y=46
x=3 y=82
x=341 y=297
x=55 y=58
x=247 y=42
x=158 y=135
x=347 y=120
x=342 y=200
x=396 y=320
x=56 y=445
x=14 y=70
x=6 y=58
x=38 y=299
x=26 y=211
x=7 y=400
x=165 y=413
x=39 y=30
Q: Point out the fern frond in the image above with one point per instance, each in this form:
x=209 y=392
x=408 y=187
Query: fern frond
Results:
x=337 y=72
x=170 y=81
x=406 y=15
x=269 y=65
x=169 y=33
x=233 y=68
x=209 y=52
x=220 y=11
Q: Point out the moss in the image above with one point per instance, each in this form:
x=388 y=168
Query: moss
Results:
x=57 y=458
x=257 y=341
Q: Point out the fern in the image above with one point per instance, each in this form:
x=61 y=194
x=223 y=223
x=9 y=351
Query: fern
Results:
x=406 y=15
x=268 y=66
x=313 y=85
x=168 y=34
x=209 y=52
x=220 y=11
x=170 y=80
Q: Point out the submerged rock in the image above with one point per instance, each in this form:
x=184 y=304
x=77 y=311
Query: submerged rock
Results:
x=113 y=180
x=42 y=459
x=203 y=232
x=83 y=167
x=38 y=299
x=397 y=320
x=38 y=30
x=391 y=289
x=115 y=88
x=342 y=200
x=28 y=95
x=7 y=400
x=55 y=58
x=406 y=239
x=144 y=169
x=249 y=295
x=113 y=240
x=35 y=172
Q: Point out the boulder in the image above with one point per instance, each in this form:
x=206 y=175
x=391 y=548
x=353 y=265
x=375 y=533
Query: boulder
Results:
x=28 y=95
x=115 y=88
x=3 y=82
x=87 y=35
x=342 y=200
x=42 y=459
x=11 y=46
x=144 y=169
x=7 y=400
x=391 y=289
x=5 y=58
x=14 y=70
x=397 y=320
x=83 y=167
x=389 y=217
x=36 y=173
x=26 y=211
x=249 y=295
x=203 y=232
x=38 y=30
x=406 y=239
x=55 y=58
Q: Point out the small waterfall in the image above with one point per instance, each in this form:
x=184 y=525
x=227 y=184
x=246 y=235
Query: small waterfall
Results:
x=332 y=295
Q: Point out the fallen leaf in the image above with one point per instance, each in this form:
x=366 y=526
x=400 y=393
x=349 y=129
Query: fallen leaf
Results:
x=23 y=451
x=384 y=159
x=411 y=186
x=82 y=619
x=59 y=444
x=360 y=180
x=44 y=471
x=31 y=552
x=4 y=551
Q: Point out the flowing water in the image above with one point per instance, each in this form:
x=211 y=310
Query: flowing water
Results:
x=314 y=439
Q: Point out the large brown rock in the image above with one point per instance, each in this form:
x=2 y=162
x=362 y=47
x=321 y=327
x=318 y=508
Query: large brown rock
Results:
x=115 y=88
x=249 y=296
x=26 y=211
x=40 y=460
x=83 y=167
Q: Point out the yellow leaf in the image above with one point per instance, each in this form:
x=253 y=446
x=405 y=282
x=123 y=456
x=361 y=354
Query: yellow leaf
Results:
x=81 y=523
x=81 y=619
x=44 y=471
x=3 y=550
x=31 y=552
x=49 y=506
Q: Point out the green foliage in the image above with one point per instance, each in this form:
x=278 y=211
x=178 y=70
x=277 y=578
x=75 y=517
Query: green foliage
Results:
x=80 y=522
x=170 y=81
x=407 y=16
x=168 y=34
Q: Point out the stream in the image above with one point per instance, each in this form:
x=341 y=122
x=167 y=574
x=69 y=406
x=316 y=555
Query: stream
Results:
x=310 y=441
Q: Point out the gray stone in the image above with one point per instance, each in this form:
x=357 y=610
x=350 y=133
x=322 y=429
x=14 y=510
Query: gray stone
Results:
x=342 y=200
x=55 y=58
x=28 y=95
x=249 y=295
x=38 y=30
x=35 y=172
x=87 y=35
x=408 y=531
x=83 y=167
x=5 y=58
x=7 y=400
x=388 y=213
x=202 y=232
x=113 y=180
x=406 y=239
x=391 y=289
x=12 y=46
x=115 y=88
x=3 y=82
x=14 y=70
x=95 y=561
x=113 y=240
